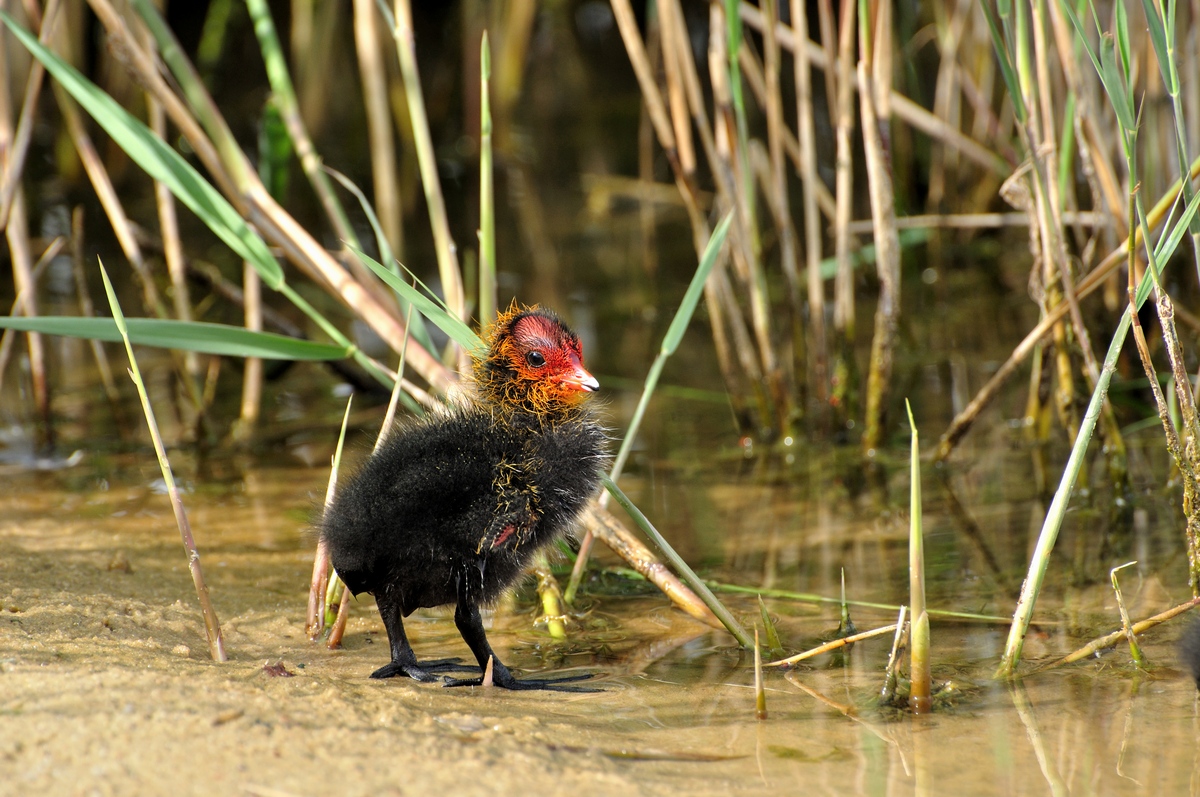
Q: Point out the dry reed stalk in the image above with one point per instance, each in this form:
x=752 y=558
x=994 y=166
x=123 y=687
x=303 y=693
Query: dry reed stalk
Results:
x=447 y=257
x=252 y=375
x=1094 y=279
x=316 y=43
x=812 y=222
x=674 y=28
x=283 y=95
x=519 y=20
x=1135 y=650
x=677 y=102
x=843 y=306
x=212 y=626
x=144 y=69
x=647 y=212
x=168 y=223
x=720 y=294
x=760 y=693
x=659 y=117
x=1188 y=458
x=733 y=150
x=832 y=645
x=977 y=221
x=776 y=184
x=15 y=144
x=753 y=72
x=279 y=227
x=723 y=314
x=775 y=189
x=887 y=241
x=605 y=527
x=338 y=629
x=1098 y=171
x=891 y=672
x=1039 y=138
x=373 y=75
x=18 y=305
x=17 y=233
x=904 y=109
x=827 y=22
x=756 y=79
x=722 y=309
x=1108 y=640
x=107 y=194
x=487 y=193
x=88 y=310
x=321 y=575
x=950 y=20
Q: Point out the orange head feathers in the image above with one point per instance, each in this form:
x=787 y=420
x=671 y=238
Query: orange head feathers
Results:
x=534 y=363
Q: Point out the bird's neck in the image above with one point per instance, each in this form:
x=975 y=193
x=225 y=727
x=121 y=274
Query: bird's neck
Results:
x=504 y=390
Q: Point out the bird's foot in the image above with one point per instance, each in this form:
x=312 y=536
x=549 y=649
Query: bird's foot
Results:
x=423 y=670
x=507 y=681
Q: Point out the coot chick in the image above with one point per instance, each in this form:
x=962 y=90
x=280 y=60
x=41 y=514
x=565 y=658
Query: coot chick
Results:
x=453 y=507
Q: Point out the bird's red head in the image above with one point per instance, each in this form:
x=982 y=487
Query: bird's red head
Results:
x=534 y=361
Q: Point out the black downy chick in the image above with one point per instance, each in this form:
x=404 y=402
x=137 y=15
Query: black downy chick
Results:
x=453 y=507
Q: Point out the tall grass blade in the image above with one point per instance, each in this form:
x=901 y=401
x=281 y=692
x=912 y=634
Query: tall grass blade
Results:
x=324 y=579
x=167 y=166
x=1135 y=650
x=675 y=332
x=212 y=626
x=198 y=336
x=919 y=695
x=1158 y=37
x=284 y=96
x=1114 y=84
x=418 y=330
x=723 y=614
x=1058 y=506
x=1168 y=243
x=774 y=645
x=444 y=320
x=1007 y=70
x=158 y=160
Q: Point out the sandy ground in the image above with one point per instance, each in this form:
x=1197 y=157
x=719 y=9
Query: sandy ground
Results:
x=106 y=686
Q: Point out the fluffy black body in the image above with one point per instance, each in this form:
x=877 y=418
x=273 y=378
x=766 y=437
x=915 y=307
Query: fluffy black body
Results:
x=461 y=503
x=452 y=508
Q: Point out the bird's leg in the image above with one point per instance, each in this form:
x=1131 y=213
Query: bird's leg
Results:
x=470 y=625
x=404 y=660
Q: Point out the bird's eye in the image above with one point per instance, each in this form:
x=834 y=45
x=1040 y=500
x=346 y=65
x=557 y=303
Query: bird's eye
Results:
x=535 y=359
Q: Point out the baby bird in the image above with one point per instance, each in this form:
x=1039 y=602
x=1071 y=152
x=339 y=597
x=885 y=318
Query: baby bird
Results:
x=453 y=507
